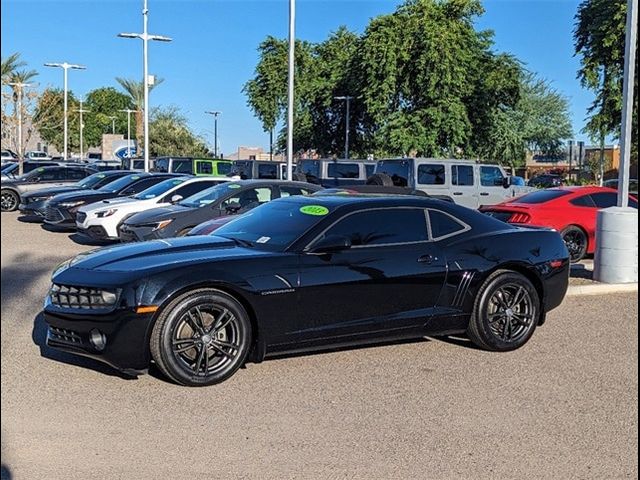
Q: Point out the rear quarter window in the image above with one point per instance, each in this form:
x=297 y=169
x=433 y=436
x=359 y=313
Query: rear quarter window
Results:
x=431 y=174
x=443 y=225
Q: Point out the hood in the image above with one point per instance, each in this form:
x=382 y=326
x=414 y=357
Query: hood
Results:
x=157 y=214
x=88 y=195
x=111 y=202
x=43 y=192
x=146 y=256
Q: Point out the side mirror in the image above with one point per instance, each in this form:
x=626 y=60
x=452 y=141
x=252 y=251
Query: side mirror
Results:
x=506 y=182
x=331 y=244
x=232 y=208
x=176 y=198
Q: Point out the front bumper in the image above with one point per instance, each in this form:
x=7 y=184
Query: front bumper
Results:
x=126 y=334
x=37 y=208
x=127 y=233
x=59 y=216
x=95 y=232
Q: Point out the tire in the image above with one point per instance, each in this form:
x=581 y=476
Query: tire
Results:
x=506 y=312
x=9 y=200
x=576 y=241
x=381 y=179
x=185 y=341
x=299 y=177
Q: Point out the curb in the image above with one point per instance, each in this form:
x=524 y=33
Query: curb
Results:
x=601 y=289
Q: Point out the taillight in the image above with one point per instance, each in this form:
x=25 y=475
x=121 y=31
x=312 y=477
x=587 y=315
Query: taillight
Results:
x=519 y=218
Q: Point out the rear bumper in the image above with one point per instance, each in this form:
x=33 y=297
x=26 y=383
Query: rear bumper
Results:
x=556 y=284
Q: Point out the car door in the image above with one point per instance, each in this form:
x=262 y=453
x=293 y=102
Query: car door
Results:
x=46 y=177
x=389 y=280
x=491 y=189
x=463 y=185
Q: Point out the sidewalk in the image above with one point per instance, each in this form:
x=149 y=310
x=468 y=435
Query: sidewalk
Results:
x=581 y=282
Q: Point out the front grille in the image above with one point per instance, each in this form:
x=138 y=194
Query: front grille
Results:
x=82 y=297
x=81 y=217
x=64 y=336
x=52 y=214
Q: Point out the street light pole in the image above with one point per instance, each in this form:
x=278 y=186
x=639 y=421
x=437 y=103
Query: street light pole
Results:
x=66 y=66
x=20 y=86
x=128 y=112
x=215 y=131
x=347 y=99
x=113 y=124
x=145 y=37
x=81 y=111
x=291 y=80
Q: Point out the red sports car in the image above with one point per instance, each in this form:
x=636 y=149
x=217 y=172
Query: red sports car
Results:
x=569 y=210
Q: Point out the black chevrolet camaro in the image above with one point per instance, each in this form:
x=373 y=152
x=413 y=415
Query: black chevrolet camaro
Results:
x=305 y=273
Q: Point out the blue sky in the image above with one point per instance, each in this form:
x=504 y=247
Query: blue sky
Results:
x=214 y=48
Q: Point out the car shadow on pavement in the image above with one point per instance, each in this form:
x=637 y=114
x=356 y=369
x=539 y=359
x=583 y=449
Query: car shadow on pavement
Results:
x=459 y=341
x=30 y=219
x=84 y=240
x=39 y=337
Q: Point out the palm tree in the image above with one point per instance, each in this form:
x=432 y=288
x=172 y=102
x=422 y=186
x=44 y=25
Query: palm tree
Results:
x=18 y=77
x=135 y=90
x=10 y=65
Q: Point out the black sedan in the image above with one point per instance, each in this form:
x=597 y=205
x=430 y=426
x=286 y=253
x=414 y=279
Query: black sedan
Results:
x=225 y=199
x=306 y=273
x=34 y=203
x=61 y=210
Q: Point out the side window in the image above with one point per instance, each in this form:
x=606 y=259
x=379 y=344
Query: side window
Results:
x=289 y=191
x=369 y=169
x=491 y=177
x=162 y=165
x=462 y=175
x=382 y=227
x=343 y=170
x=191 y=189
x=141 y=185
x=605 y=199
x=76 y=173
x=183 y=166
x=583 y=201
x=444 y=225
x=268 y=171
x=224 y=168
x=52 y=174
x=249 y=198
x=204 y=168
x=431 y=174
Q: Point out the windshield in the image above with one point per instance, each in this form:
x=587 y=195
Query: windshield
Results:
x=273 y=226
x=210 y=195
x=91 y=180
x=159 y=189
x=119 y=184
x=6 y=169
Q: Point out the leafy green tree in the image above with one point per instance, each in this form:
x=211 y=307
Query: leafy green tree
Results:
x=135 y=90
x=102 y=104
x=49 y=118
x=169 y=134
x=599 y=37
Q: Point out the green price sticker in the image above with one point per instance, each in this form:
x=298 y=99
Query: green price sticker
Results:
x=234 y=186
x=177 y=182
x=317 y=210
x=102 y=175
x=135 y=177
x=41 y=170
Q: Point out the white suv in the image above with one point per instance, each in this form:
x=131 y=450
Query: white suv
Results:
x=464 y=182
x=100 y=220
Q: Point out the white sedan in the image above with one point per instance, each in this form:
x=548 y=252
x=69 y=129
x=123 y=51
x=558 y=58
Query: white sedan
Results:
x=100 y=220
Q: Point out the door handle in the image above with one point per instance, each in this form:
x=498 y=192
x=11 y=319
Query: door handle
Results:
x=457 y=193
x=484 y=194
x=426 y=259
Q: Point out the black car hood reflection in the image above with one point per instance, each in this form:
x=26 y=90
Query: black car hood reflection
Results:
x=157 y=214
x=85 y=194
x=44 y=192
x=146 y=256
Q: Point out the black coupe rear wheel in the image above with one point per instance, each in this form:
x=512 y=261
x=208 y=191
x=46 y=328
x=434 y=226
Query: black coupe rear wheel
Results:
x=9 y=200
x=576 y=241
x=506 y=312
x=201 y=338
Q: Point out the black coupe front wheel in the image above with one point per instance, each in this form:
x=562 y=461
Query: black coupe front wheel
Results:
x=201 y=338
x=9 y=200
x=506 y=312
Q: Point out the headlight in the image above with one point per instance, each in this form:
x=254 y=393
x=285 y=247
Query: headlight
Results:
x=106 y=213
x=72 y=204
x=162 y=224
x=38 y=199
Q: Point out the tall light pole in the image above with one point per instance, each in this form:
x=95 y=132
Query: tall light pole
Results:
x=66 y=66
x=19 y=86
x=347 y=100
x=215 y=131
x=113 y=123
x=291 y=79
x=145 y=37
x=128 y=111
x=81 y=111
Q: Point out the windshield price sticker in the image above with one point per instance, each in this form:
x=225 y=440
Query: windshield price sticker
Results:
x=317 y=210
x=263 y=239
x=234 y=186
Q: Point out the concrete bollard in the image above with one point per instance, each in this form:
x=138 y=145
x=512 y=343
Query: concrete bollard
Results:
x=616 y=258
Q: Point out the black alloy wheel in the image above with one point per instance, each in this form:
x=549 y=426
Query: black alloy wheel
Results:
x=9 y=200
x=576 y=241
x=201 y=338
x=506 y=312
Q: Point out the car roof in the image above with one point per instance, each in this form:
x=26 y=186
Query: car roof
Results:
x=266 y=181
x=336 y=200
x=583 y=189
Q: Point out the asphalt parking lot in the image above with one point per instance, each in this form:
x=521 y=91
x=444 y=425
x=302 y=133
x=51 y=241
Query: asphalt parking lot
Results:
x=564 y=406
